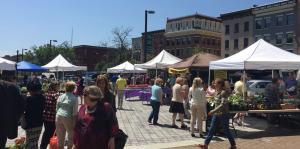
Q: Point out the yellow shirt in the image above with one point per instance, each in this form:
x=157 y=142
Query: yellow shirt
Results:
x=121 y=83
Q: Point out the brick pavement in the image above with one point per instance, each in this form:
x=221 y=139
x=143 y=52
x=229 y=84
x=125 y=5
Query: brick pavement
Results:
x=133 y=121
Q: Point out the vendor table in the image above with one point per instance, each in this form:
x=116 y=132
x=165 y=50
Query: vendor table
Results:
x=129 y=93
x=283 y=111
x=269 y=111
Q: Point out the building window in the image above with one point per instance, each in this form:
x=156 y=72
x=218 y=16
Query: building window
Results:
x=168 y=42
x=226 y=55
x=177 y=42
x=279 y=38
x=246 y=42
x=172 y=43
x=213 y=42
x=177 y=52
x=258 y=37
x=196 y=40
x=227 y=29
x=289 y=37
x=258 y=24
x=226 y=44
x=279 y=20
x=290 y=19
x=267 y=22
x=236 y=43
x=246 y=26
x=236 y=27
x=188 y=40
x=208 y=41
x=267 y=38
x=203 y=41
x=183 y=41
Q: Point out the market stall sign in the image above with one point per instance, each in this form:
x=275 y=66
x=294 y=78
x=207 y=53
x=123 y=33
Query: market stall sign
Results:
x=222 y=74
x=178 y=71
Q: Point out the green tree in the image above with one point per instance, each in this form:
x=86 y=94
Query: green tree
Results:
x=44 y=54
x=197 y=50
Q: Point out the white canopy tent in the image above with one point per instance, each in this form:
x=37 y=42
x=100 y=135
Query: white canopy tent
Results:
x=259 y=56
x=125 y=67
x=161 y=61
x=7 y=64
x=59 y=63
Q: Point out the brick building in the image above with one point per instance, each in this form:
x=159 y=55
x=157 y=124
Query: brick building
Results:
x=198 y=32
x=237 y=31
x=89 y=56
x=156 y=41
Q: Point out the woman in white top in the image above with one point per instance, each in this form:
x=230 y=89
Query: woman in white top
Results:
x=198 y=105
x=176 y=106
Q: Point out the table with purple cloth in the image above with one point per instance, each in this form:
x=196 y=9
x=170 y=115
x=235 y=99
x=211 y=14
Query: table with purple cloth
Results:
x=145 y=96
x=129 y=93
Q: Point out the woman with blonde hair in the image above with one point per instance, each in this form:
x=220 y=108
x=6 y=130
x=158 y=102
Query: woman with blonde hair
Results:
x=176 y=106
x=198 y=105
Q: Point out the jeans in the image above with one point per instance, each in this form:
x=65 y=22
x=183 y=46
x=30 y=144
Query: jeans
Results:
x=155 y=111
x=48 y=133
x=224 y=120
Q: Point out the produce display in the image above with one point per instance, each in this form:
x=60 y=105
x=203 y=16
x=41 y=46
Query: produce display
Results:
x=237 y=103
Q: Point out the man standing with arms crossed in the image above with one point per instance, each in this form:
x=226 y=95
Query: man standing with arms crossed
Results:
x=120 y=86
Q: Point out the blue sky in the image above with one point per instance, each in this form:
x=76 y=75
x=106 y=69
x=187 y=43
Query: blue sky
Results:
x=25 y=23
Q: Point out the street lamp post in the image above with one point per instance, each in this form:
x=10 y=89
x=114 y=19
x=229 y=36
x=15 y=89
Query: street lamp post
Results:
x=51 y=42
x=145 y=38
x=23 y=53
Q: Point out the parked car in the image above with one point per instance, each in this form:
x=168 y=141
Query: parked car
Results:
x=255 y=87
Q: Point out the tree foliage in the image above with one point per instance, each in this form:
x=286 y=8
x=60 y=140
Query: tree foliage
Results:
x=121 y=41
x=44 y=54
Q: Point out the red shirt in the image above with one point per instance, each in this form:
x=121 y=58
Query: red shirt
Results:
x=93 y=130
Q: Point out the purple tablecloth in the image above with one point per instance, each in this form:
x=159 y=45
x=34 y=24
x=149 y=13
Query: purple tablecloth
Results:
x=145 y=96
x=136 y=92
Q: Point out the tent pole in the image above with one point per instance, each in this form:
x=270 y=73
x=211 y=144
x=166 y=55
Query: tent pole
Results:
x=244 y=87
x=208 y=76
x=63 y=74
x=272 y=73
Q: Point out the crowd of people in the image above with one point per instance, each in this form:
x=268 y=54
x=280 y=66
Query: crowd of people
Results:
x=89 y=123
x=87 y=114
x=191 y=102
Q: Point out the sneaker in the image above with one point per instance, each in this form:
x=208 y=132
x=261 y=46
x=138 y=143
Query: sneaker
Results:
x=193 y=135
x=233 y=147
x=156 y=123
x=149 y=121
x=174 y=126
x=183 y=126
x=202 y=146
x=178 y=120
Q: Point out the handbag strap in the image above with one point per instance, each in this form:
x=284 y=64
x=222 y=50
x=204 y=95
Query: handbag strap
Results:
x=54 y=134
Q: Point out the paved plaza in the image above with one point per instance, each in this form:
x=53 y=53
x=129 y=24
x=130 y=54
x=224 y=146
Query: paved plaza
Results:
x=254 y=134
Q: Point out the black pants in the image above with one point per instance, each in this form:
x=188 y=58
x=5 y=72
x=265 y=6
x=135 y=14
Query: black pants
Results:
x=3 y=140
x=48 y=133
